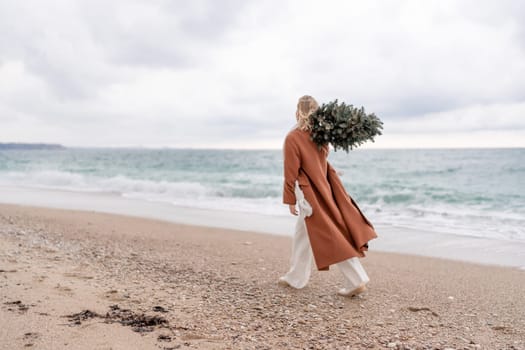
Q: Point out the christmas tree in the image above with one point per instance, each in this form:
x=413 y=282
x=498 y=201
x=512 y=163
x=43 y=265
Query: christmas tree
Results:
x=343 y=126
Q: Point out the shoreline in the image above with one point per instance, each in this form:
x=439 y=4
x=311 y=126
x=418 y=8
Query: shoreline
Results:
x=217 y=289
x=479 y=250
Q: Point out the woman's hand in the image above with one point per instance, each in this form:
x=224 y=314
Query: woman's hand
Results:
x=293 y=210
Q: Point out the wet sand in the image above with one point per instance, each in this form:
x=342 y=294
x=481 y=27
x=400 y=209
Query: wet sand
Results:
x=85 y=280
x=469 y=248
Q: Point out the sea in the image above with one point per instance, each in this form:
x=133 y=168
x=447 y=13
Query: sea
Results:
x=463 y=192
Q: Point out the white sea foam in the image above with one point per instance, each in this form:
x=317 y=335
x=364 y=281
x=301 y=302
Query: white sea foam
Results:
x=184 y=193
x=118 y=184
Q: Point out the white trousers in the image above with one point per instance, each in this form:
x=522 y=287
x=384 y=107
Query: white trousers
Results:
x=302 y=259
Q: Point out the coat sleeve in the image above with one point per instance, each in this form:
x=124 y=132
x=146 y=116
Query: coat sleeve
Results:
x=292 y=163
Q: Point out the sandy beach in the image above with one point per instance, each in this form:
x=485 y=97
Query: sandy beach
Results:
x=85 y=280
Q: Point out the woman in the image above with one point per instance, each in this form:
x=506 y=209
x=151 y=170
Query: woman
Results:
x=331 y=228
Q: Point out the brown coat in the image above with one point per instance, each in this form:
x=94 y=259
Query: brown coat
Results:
x=337 y=228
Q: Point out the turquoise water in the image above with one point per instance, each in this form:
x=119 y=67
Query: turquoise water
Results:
x=470 y=192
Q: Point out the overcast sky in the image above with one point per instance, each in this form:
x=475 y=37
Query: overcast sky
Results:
x=228 y=73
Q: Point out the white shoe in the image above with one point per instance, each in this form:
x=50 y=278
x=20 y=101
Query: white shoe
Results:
x=284 y=282
x=352 y=292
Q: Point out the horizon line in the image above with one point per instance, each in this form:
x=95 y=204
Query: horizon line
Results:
x=159 y=147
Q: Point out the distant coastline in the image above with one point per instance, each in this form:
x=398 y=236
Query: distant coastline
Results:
x=30 y=146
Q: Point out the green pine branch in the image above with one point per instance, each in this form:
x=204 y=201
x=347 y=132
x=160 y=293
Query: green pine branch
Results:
x=343 y=126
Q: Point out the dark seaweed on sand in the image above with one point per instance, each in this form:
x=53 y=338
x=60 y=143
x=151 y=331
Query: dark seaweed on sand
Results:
x=139 y=322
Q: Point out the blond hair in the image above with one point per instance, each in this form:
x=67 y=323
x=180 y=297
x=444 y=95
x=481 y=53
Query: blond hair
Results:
x=305 y=107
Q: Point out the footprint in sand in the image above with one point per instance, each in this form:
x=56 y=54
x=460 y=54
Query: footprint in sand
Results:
x=64 y=289
x=30 y=338
x=78 y=275
x=192 y=336
x=114 y=295
x=40 y=278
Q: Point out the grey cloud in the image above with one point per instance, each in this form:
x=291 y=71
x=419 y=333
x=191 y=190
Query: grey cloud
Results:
x=212 y=19
x=179 y=35
x=413 y=105
x=498 y=14
x=78 y=48
x=54 y=47
x=93 y=58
